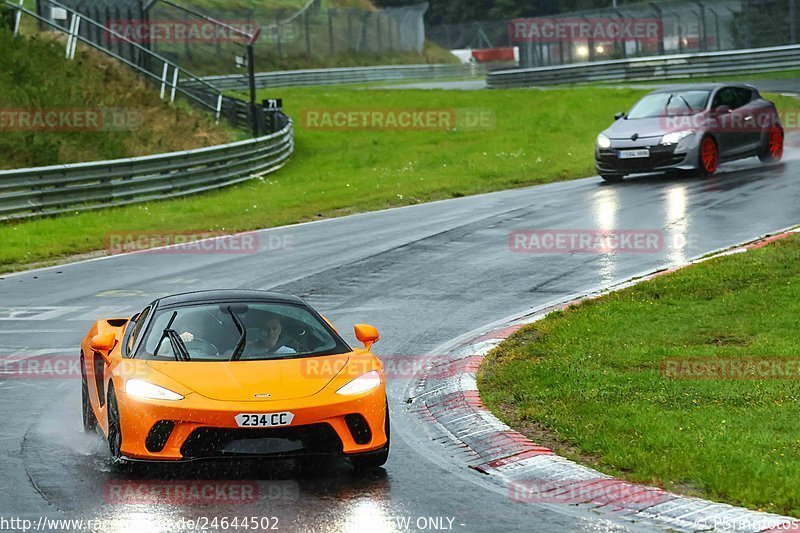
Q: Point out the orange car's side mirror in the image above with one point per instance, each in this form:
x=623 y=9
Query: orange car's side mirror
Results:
x=367 y=334
x=103 y=344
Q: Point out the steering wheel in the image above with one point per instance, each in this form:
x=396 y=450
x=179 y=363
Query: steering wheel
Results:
x=199 y=347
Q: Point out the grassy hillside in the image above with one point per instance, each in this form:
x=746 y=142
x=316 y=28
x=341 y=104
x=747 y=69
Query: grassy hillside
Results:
x=34 y=76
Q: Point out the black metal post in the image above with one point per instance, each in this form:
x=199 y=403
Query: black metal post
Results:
x=251 y=73
x=278 y=42
x=703 y=34
x=660 y=16
x=308 y=33
x=330 y=31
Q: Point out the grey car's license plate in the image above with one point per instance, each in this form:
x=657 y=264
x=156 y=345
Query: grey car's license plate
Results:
x=634 y=154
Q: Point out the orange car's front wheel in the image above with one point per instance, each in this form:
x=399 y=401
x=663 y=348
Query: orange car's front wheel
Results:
x=89 y=420
x=114 y=431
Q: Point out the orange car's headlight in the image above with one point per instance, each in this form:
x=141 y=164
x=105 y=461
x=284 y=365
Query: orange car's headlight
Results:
x=361 y=384
x=139 y=388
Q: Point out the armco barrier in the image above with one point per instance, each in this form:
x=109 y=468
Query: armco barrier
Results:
x=754 y=60
x=32 y=192
x=58 y=189
x=338 y=76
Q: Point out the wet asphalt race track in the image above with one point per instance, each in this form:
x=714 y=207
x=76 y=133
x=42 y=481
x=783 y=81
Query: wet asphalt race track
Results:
x=423 y=275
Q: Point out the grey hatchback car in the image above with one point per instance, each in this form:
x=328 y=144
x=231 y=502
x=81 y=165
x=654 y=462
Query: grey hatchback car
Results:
x=694 y=127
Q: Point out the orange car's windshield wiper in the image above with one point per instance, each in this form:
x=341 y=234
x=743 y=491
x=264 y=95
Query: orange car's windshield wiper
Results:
x=176 y=343
x=178 y=347
x=237 y=352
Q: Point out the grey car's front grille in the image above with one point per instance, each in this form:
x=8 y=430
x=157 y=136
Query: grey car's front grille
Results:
x=660 y=156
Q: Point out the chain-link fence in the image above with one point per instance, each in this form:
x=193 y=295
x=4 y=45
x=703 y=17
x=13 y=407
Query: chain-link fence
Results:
x=475 y=35
x=312 y=36
x=318 y=33
x=636 y=30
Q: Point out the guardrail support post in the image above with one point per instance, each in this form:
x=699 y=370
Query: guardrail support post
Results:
x=75 y=38
x=18 y=17
x=219 y=106
x=69 y=35
x=164 y=79
x=174 y=84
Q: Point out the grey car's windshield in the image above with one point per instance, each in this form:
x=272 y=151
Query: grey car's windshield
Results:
x=669 y=103
x=238 y=331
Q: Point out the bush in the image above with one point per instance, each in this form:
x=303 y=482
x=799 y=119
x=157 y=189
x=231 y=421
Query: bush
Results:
x=7 y=18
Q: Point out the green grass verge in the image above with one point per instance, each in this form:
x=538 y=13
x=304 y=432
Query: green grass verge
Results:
x=538 y=136
x=587 y=381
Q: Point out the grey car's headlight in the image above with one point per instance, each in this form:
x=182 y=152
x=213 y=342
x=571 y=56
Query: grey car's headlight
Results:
x=603 y=141
x=674 y=137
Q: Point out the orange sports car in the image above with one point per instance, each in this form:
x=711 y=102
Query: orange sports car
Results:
x=233 y=373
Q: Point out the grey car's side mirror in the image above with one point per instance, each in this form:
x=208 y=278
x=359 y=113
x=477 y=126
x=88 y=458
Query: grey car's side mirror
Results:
x=619 y=115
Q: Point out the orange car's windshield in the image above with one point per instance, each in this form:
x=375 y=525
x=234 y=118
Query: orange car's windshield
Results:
x=238 y=331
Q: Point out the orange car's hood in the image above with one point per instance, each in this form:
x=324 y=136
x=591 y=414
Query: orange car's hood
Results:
x=280 y=379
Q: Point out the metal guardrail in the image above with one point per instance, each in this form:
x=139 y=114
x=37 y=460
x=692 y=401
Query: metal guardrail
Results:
x=338 y=76
x=677 y=66
x=58 y=189
x=52 y=190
